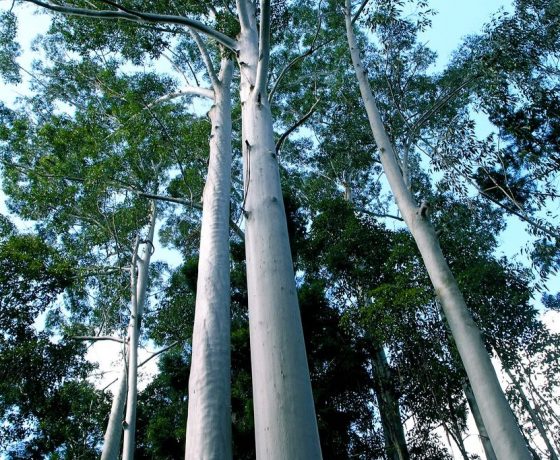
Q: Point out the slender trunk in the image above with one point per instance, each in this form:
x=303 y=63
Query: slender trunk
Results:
x=455 y=428
x=395 y=442
x=535 y=392
x=497 y=415
x=209 y=412
x=482 y=433
x=535 y=417
x=457 y=440
x=113 y=433
x=139 y=285
x=285 y=424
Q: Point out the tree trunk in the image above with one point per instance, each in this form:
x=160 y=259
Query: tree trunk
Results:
x=456 y=439
x=285 y=424
x=497 y=415
x=113 y=433
x=455 y=429
x=395 y=441
x=482 y=433
x=533 y=414
x=139 y=284
x=209 y=412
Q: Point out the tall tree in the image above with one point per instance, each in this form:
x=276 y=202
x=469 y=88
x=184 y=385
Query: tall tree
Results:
x=498 y=417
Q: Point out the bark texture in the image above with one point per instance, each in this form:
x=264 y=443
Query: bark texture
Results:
x=209 y=411
x=285 y=423
x=497 y=415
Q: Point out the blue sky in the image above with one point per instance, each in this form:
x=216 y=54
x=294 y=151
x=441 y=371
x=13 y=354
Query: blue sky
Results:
x=457 y=19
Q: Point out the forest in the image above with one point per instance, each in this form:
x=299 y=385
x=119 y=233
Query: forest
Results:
x=293 y=216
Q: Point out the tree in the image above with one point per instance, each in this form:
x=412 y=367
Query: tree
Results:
x=498 y=418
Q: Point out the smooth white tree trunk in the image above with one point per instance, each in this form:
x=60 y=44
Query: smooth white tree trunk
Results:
x=285 y=423
x=113 y=433
x=498 y=418
x=209 y=411
x=140 y=282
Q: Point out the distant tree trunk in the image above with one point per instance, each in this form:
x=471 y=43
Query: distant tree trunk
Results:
x=395 y=442
x=139 y=284
x=113 y=433
x=533 y=413
x=482 y=433
x=499 y=420
x=285 y=424
x=535 y=392
x=455 y=429
x=209 y=412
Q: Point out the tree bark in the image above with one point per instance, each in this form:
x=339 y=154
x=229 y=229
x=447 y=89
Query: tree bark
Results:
x=209 y=412
x=139 y=286
x=395 y=441
x=285 y=424
x=497 y=415
x=113 y=433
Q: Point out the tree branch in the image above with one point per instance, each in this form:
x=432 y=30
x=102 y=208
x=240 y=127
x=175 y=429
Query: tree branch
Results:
x=96 y=338
x=440 y=103
x=185 y=91
x=136 y=16
x=295 y=126
x=243 y=14
x=206 y=59
x=382 y=215
x=360 y=9
x=264 y=50
x=163 y=350
x=169 y=199
x=157 y=353
x=294 y=61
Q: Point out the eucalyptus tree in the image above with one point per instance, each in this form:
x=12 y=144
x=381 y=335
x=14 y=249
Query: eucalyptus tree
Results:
x=103 y=181
x=285 y=427
x=514 y=83
x=496 y=413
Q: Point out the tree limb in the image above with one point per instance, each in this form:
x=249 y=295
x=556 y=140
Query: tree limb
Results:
x=440 y=103
x=382 y=215
x=243 y=14
x=264 y=50
x=206 y=59
x=295 y=126
x=169 y=199
x=185 y=91
x=136 y=16
x=312 y=48
x=359 y=11
x=96 y=338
